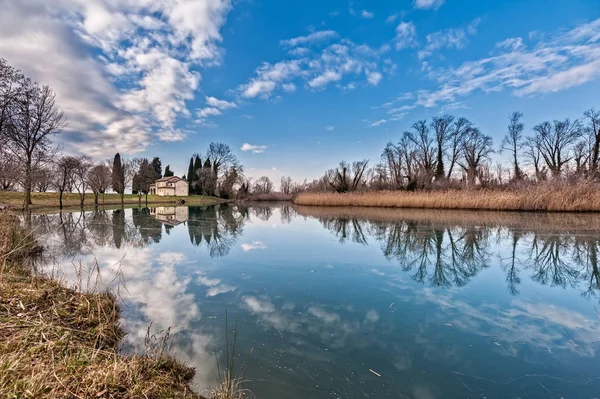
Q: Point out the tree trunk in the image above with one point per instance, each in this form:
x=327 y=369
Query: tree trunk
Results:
x=123 y=197
x=81 y=199
x=439 y=171
x=95 y=198
x=60 y=196
x=146 y=198
x=27 y=186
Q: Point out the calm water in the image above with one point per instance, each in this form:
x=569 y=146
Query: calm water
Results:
x=341 y=303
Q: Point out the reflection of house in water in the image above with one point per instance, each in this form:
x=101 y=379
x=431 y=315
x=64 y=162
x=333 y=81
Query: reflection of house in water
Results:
x=172 y=215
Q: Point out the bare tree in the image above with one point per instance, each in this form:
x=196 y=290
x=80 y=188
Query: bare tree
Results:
x=443 y=131
x=221 y=158
x=592 y=129
x=12 y=82
x=513 y=141
x=8 y=171
x=64 y=170
x=476 y=147
x=581 y=156
x=392 y=159
x=459 y=130
x=263 y=185
x=286 y=185
x=233 y=176
x=80 y=174
x=144 y=177
x=554 y=140
x=534 y=157
x=422 y=139
x=42 y=179
x=99 y=180
x=347 y=177
x=27 y=128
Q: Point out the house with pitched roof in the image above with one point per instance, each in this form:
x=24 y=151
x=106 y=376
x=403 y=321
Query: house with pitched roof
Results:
x=172 y=186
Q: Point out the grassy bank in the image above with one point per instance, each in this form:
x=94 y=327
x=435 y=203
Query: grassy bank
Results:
x=57 y=342
x=579 y=197
x=14 y=200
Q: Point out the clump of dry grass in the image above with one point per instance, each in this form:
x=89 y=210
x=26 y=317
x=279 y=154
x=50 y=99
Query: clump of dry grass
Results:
x=57 y=342
x=583 y=196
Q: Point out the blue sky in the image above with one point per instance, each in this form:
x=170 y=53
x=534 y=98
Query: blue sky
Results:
x=298 y=85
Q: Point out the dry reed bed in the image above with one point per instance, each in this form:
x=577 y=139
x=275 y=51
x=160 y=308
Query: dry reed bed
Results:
x=56 y=342
x=580 y=197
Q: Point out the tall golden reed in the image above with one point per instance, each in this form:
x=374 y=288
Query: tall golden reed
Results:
x=582 y=196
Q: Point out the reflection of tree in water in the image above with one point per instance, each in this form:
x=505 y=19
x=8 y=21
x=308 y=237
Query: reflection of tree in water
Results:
x=264 y=213
x=450 y=256
x=345 y=229
x=547 y=255
x=510 y=264
x=586 y=255
x=150 y=229
x=217 y=227
x=99 y=224
x=287 y=214
x=445 y=257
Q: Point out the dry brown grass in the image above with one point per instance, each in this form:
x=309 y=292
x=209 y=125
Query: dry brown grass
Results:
x=577 y=197
x=56 y=342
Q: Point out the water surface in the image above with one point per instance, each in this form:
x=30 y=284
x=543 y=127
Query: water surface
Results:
x=347 y=303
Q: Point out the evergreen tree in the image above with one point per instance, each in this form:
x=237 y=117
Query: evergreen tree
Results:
x=190 y=176
x=157 y=166
x=195 y=177
x=118 y=175
x=168 y=172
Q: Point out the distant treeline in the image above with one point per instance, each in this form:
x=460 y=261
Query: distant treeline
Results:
x=450 y=152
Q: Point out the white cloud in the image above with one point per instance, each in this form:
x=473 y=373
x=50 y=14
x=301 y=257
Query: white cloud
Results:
x=377 y=123
x=329 y=128
x=256 y=149
x=317 y=70
x=149 y=50
x=374 y=78
x=313 y=37
x=428 y=4
x=220 y=104
x=209 y=111
x=299 y=51
x=406 y=35
x=258 y=88
x=288 y=87
x=512 y=43
x=366 y=14
x=455 y=38
x=391 y=19
x=324 y=79
x=556 y=62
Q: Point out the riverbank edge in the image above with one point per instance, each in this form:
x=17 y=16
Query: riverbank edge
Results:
x=59 y=342
x=49 y=201
x=578 y=197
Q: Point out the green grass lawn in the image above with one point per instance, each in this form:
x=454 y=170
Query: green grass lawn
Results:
x=50 y=200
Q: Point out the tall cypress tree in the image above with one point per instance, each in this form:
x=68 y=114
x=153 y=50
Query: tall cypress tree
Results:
x=195 y=177
x=118 y=175
x=190 y=176
x=157 y=166
x=168 y=172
